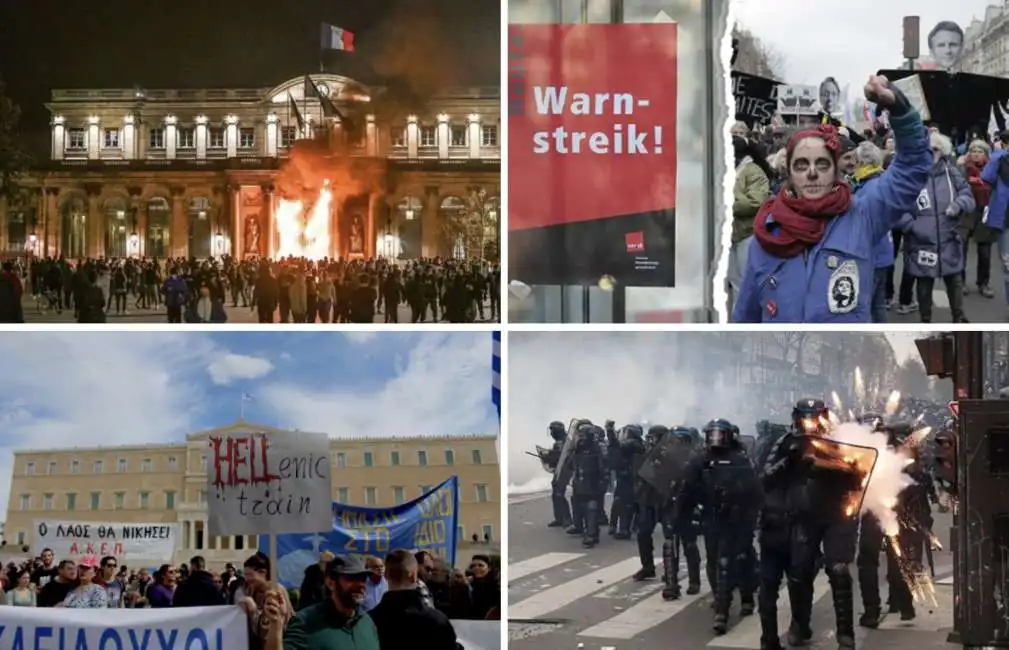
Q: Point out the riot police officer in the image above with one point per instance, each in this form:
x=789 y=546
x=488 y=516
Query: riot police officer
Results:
x=690 y=528
x=558 y=484
x=626 y=452
x=654 y=509
x=724 y=483
x=825 y=523
x=588 y=478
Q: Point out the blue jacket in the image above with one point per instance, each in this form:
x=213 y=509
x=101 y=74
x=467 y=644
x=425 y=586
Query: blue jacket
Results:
x=883 y=254
x=932 y=244
x=832 y=282
x=999 y=202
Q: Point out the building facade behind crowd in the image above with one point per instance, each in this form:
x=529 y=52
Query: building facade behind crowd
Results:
x=960 y=209
x=384 y=602
x=167 y=484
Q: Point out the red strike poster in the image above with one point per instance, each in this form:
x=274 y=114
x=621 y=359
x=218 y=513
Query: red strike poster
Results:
x=592 y=153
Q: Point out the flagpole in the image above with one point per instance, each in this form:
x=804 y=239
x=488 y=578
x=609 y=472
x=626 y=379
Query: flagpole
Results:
x=304 y=102
x=241 y=410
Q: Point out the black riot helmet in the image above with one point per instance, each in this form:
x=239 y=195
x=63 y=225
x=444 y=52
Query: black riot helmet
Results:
x=719 y=434
x=557 y=430
x=633 y=432
x=683 y=435
x=656 y=432
x=810 y=416
x=763 y=428
x=871 y=420
x=586 y=434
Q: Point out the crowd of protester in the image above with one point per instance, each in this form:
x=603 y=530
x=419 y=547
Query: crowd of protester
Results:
x=289 y=290
x=343 y=603
x=964 y=206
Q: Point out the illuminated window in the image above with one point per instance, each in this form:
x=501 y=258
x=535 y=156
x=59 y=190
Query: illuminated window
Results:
x=71 y=501
x=186 y=139
x=488 y=135
x=370 y=496
x=399 y=137
x=458 y=135
x=77 y=139
x=246 y=138
x=215 y=138
x=111 y=139
x=156 y=139
x=428 y=136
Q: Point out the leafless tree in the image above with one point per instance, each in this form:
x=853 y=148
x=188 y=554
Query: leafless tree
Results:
x=757 y=57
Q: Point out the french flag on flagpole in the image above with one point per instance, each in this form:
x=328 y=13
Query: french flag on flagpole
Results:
x=336 y=38
x=495 y=388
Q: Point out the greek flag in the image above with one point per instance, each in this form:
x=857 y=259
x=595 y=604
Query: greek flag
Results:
x=495 y=386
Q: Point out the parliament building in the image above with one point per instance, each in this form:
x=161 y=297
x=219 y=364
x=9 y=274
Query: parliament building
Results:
x=193 y=173
x=167 y=483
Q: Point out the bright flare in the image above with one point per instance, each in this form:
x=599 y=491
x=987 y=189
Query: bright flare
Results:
x=305 y=236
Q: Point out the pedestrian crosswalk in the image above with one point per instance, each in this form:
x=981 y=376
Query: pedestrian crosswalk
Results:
x=592 y=597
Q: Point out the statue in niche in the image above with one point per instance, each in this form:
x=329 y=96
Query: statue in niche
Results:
x=252 y=235
x=356 y=235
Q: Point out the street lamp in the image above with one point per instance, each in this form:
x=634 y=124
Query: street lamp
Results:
x=134 y=235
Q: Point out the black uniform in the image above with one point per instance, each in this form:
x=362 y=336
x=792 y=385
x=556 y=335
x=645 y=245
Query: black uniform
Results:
x=625 y=453
x=655 y=509
x=724 y=483
x=558 y=489
x=688 y=528
x=589 y=476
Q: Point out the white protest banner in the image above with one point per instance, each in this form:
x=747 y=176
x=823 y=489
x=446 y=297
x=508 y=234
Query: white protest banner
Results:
x=127 y=541
x=203 y=628
x=478 y=635
x=269 y=483
x=915 y=93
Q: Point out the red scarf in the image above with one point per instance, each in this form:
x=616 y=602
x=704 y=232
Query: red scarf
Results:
x=799 y=223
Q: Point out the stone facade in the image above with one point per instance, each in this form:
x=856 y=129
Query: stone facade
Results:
x=168 y=483
x=192 y=172
x=986 y=43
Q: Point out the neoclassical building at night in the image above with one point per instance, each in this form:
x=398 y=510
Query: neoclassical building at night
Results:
x=160 y=173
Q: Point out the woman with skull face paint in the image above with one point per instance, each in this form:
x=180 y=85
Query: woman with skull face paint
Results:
x=933 y=246
x=811 y=259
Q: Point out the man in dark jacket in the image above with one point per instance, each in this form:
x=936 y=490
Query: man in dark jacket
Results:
x=313 y=586
x=402 y=618
x=198 y=590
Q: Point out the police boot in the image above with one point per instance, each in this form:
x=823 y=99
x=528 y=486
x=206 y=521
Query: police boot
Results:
x=693 y=556
x=844 y=606
x=670 y=567
x=721 y=624
x=746 y=605
x=769 y=639
x=646 y=552
x=871 y=618
x=799 y=633
x=799 y=636
x=622 y=534
x=556 y=524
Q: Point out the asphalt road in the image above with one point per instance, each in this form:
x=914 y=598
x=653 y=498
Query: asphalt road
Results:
x=562 y=597
x=978 y=308
x=239 y=315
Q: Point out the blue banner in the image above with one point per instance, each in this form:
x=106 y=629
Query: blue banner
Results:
x=495 y=383
x=428 y=523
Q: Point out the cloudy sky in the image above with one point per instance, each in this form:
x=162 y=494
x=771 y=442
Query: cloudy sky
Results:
x=847 y=40
x=61 y=389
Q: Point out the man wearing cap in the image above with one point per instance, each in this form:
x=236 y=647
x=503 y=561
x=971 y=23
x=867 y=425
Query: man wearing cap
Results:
x=337 y=623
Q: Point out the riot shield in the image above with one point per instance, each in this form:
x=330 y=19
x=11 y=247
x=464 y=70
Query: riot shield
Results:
x=565 y=468
x=544 y=455
x=664 y=463
x=749 y=443
x=843 y=465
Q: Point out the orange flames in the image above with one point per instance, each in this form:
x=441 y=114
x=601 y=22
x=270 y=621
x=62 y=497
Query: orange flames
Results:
x=304 y=234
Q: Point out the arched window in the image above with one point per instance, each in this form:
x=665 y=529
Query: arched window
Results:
x=409 y=214
x=73 y=228
x=201 y=226
x=159 y=227
x=452 y=213
x=117 y=226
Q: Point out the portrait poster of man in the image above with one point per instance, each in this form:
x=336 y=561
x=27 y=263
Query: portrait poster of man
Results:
x=830 y=96
x=945 y=44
